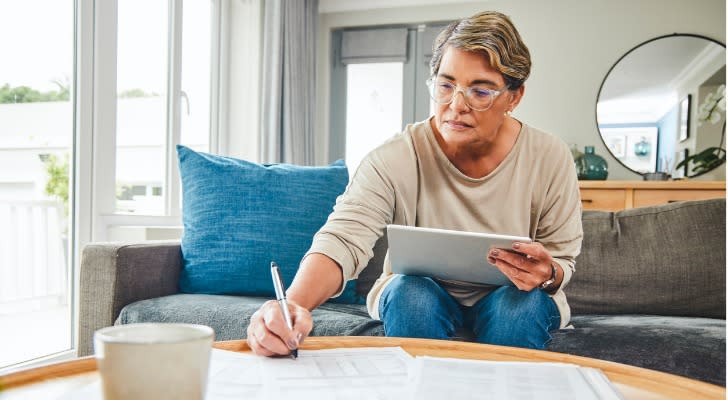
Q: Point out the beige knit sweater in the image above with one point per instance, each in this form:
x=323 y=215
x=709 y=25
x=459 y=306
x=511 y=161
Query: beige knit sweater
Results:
x=408 y=180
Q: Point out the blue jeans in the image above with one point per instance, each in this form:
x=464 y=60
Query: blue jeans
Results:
x=414 y=306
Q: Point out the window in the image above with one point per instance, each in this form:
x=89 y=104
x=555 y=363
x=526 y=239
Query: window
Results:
x=146 y=76
x=196 y=61
x=141 y=105
x=373 y=107
x=97 y=106
x=377 y=86
x=159 y=57
x=36 y=156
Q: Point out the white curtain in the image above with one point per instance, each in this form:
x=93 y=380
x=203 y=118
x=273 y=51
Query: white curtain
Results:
x=288 y=81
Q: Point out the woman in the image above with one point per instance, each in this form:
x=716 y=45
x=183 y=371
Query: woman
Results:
x=470 y=167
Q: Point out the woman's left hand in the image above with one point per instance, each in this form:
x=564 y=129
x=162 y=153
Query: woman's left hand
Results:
x=527 y=265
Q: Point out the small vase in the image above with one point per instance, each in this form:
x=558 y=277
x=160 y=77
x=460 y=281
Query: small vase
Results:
x=642 y=148
x=591 y=166
x=575 y=151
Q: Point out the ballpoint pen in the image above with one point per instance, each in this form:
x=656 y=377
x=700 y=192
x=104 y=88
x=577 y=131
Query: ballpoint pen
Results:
x=281 y=297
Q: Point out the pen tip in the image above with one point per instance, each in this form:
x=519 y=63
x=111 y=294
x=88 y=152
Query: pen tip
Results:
x=294 y=354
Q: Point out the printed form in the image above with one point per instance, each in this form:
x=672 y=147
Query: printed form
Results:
x=379 y=373
x=357 y=373
x=440 y=378
x=234 y=375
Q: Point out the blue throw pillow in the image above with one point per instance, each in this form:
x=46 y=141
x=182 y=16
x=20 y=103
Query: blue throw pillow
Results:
x=239 y=216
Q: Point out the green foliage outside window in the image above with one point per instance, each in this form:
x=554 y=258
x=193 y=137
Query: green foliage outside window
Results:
x=25 y=94
x=134 y=93
x=57 y=185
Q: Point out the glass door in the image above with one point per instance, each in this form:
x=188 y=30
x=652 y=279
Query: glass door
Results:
x=157 y=48
x=373 y=108
x=377 y=86
x=36 y=149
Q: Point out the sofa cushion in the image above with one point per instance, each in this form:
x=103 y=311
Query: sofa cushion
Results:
x=229 y=316
x=692 y=347
x=661 y=260
x=239 y=216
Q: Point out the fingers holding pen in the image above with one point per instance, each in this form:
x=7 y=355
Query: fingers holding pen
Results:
x=263 y=331
x=302 y=322
x=302 y=325
x=258 y=335
x=268 y=332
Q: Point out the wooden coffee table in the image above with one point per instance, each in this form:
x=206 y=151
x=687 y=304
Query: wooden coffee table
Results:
x=633 y=382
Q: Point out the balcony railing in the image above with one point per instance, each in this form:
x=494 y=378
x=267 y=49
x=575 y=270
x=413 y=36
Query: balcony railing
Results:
x=33 y=255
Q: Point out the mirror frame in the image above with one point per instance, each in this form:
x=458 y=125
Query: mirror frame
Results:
x=604 y=80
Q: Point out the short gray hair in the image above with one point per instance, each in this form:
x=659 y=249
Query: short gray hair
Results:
x=493 y=35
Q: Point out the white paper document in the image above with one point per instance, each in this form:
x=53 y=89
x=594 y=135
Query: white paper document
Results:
x=376 y=373
x=449 y=378
x=356 y=373
x=234 y=375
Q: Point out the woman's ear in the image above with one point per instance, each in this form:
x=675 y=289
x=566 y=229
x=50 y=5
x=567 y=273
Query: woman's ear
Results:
x=516 y=96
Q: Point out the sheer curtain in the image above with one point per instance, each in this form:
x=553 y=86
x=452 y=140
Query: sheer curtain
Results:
x=288 y=86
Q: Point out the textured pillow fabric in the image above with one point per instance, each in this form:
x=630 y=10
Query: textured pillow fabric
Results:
x=661 y=260
x=239 y=216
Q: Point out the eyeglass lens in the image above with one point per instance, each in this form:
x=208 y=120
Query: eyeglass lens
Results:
x=476 y=98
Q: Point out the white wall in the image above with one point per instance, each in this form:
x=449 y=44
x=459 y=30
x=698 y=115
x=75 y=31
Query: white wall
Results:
x=573 y=44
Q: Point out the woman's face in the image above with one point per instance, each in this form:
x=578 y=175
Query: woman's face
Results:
x=456 y=122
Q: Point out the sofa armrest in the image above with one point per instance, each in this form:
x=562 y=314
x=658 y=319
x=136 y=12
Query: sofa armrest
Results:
x=116 y=274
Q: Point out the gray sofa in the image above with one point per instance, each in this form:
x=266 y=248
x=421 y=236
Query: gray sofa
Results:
x=649 y=290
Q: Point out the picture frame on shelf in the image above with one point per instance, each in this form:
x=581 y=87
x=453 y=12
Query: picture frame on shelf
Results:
x=617 y=145
x=684 y=118
x=682 y=172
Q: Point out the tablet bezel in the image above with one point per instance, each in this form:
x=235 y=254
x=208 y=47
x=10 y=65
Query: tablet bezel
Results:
x=448 y=254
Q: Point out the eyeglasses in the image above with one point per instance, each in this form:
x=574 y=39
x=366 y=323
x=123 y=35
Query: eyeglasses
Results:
x=477 y=99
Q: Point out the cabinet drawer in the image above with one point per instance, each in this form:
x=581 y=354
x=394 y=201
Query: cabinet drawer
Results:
x=650 y=197
x=603 y=199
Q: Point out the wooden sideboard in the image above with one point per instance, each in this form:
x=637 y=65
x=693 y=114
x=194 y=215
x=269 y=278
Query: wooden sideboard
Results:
x=618 y=195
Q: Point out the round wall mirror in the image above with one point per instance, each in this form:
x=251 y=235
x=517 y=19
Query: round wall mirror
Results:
x=663 y=102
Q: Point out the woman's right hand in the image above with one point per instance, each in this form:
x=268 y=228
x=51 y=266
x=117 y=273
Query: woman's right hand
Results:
x=268 y=334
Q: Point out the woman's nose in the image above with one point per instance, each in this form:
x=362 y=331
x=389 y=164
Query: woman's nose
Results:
x=458 y=102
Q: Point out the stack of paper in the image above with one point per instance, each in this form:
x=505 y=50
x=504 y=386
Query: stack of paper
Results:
x=391 y=373
x=358 y=373
x=381 y=373
x=441 y=378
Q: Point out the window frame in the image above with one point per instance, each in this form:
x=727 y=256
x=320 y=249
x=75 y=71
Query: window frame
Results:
x=103 y=132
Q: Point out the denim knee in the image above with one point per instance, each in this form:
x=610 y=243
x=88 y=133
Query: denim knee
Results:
x=512 y=317
x=413 y=306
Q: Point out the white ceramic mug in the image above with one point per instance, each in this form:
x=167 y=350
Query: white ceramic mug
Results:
x=157 y=361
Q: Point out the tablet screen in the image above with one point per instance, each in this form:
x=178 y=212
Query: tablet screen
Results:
x=447 y=254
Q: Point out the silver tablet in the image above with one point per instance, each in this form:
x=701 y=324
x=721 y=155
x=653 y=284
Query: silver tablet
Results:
x=447 y=254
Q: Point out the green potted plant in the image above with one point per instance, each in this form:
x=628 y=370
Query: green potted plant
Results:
x=710 y=111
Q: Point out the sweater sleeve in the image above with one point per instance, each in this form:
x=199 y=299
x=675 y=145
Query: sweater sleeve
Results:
x=559 y=227
x=362 y=212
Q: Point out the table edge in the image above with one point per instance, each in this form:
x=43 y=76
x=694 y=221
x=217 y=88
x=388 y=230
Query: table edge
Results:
x=615 y=371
